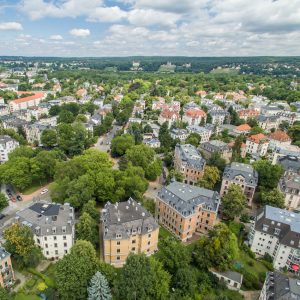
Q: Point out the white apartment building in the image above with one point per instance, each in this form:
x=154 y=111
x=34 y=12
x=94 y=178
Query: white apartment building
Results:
x=26 y=102
x=257 y=144
x=277 y=232
x=7 y=145
x=52 y=225
x=204 y=133
x=289 y=185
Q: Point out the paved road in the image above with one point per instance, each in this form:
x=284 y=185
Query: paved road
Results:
x=104 y=141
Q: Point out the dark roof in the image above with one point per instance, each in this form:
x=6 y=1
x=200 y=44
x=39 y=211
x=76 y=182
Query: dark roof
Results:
x=46 y=209
x=3 y=253
x=289 y=163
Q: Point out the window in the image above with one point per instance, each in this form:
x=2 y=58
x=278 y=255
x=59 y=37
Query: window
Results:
x=277 y=231
x=66 y=251
x=149 y=243
x=56 y=252
x=149 y=235
x=46 y=245
x=118 y=242
x=45 y=238
x=64 y=237
x=118 y=258
x=265 y=227
x=55 y=245
x=47 y=252
x=65 y=245
x=133 y=241
x=133 y=249
x=118 y=236
x=118 y=250
x=54 y=237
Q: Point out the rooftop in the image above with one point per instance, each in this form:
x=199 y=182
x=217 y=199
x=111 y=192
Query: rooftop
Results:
x=3 y=253
x=37 y=95
x=191 y=155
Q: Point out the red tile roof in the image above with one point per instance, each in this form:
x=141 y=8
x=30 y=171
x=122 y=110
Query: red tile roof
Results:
x=280 y=136
x=258 y=138
x=194 y=113
x=248 y=112
x=167 y=114
x=37 y=95
x=243 y=127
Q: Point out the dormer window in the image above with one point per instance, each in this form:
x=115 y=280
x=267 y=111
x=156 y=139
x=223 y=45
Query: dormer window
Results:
x=277 y=231
x=64 y=229
x=265 y=227
x=118 y=235
x=150 y=228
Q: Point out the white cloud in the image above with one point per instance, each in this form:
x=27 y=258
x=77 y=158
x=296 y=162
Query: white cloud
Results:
x=11 y=26
x=56 y=37
x=107 y=14
x=80 y=32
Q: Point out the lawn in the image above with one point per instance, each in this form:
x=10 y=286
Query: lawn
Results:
x=21 y=296
x=164 y=233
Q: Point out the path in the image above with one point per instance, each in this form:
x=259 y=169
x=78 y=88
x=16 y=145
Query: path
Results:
x=250 y=295
x=22 y=279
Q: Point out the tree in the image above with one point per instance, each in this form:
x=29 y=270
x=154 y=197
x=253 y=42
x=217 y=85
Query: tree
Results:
x=136 y=130
x=268 y=174
x=65 y=116
x=193 y=139
x=86 y=229
x=140 y=155
x=233 y=202
x=99 y=288
x=142 y=278
x=273 y=198
x=218 y=249
x=120 y=144
x=3 y=201
x=164 y=136
x=185 y=281
x=75 y=270
x=49 y=138
x=91 y=209
x=217 y=161
x=154 y=170
x=256 y=130
x=4 y=295
x=20 y=243
x=210 y=178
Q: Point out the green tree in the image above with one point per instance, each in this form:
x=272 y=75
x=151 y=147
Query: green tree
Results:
x=120 y=144
x=140 y=155
x=256 y=130
x=233 y=202
x=268 y=174
x=217 y=161
x=91 y=209
x=75 y=270
x=193 y=139
x=4 y=295
x=99 y=288
x=142 y=278
x=164 y=136
x=154 y=170
x=273 y=198
x=65 y=116
x=210 y=178
x=218 y=249
x=20 y=243
x=49 y=138
x=86 y=229
x=3 y=201
x=185 y=281
x=294 y=133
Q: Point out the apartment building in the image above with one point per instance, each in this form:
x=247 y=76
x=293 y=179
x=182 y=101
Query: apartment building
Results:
x=26 y=102
x=268 y=123
x=52 y=225
x=219 y=117
x=279 y=138
x=180 y=134
x=194 y=116
x=279 y=286
x=204 y=133
x=6 y=269
x=277 y=232
x=127 y=228
x=289 y=185
x=283 y=151
x=246 y=114
x=290 y=164
x=7 y=145
x=186 y=210
x=216 y=146
x=168 y=116
x=257 y=144
x=189 y=162
x=244 y=176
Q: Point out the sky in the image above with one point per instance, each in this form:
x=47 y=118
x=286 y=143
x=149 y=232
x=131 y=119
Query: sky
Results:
x=100 y=28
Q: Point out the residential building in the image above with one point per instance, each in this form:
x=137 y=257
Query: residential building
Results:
x=52 y=225
x=7 y=145
x=186 y=210
x=12 y=122
x=268 y=123
x=279 y=286
x=242 y=129
x=257 y=144
x=152 y=142
x=26 y=102
x=246 y=114
x=290 y=164
x=279 y=138
x=289 y=185
x=180 y=134
x=194 y=116
x=4 y=109
x=219 y=117
x=189 y=162
x=233 y=280
x=34 y=132
x=127 y=228
x=162 y=105
x=282 y=151
x=168 y=116
x=204 y=132
x=242 y=175
x=6 y=270
x=276 y=232
x=216 y=146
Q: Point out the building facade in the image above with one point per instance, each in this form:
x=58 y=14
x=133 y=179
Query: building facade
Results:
x=52 y=225
x=216 y=146
x=244 y=176
x=127 y=228
x=7 y=145
x=189 y=162
x=186 y=210
x=6 y=269
x=257 y=144
x=289 y=185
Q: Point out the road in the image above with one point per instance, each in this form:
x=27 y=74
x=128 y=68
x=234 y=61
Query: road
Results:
x=104 y=141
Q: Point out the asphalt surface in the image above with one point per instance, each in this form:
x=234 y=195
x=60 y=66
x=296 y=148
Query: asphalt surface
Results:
x=104 y=141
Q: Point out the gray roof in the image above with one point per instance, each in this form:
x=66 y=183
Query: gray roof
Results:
x=198 y=129
x=4 y=139
x=125 y=218
x=178 y=131
x=289 y=183
x=287 y=225
x=289 y=163
x=191 y=156
x=240 y=169
x=185 y=198
x=281 y=287
x=214 y=146
x=219 y=112
x=263 y=118
x=43 y=217
x=3 y=253
x=235 y=276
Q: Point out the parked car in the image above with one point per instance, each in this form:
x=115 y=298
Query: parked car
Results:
x=19 y=198
x=44 y=191
x=2 y=216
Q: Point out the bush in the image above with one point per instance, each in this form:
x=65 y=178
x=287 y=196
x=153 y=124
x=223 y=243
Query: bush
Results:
x=250 y=263
x=49 y=281
x=248 y=251
x=245 y=218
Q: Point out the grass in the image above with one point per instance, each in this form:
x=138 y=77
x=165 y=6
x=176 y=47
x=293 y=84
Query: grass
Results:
x=164 y=233
x=22 y=296
x=32 y=189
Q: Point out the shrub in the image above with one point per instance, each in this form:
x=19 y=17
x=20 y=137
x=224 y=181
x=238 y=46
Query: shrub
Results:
x=49 y=281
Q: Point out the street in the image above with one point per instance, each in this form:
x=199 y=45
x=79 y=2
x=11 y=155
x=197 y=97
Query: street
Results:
x=104 y=141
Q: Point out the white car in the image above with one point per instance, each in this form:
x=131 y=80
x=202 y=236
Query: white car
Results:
x=44 y=191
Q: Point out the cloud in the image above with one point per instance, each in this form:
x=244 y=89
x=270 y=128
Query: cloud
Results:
x=107 y=14
x=11 y=26
x=79 y=32
x=56 y=37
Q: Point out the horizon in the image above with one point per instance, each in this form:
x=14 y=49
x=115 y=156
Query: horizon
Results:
x=134 y=28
